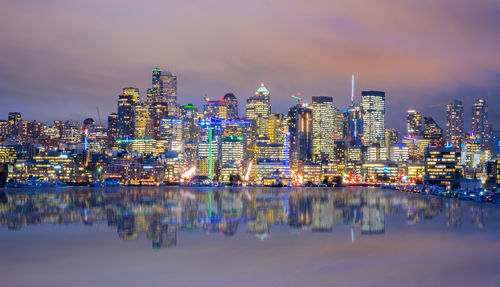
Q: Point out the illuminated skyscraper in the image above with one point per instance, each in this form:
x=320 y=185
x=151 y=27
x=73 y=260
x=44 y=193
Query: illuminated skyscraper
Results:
x=258 y=109
x=373 y=104
x=480 y=124
x=432 y=131
x=143 y=123
x=323 y=129
x=164 y=90
x=300 y=129
x=276 y=132
x=455 y=123
x=112 y=128
x=413 y=123
x=126 y=102
x=232 y=105
x=354 y=122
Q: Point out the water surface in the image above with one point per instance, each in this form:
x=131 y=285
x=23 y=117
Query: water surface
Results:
x=171 y=236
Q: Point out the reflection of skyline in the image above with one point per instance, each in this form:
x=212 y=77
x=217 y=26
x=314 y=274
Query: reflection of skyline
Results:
x=160 y=214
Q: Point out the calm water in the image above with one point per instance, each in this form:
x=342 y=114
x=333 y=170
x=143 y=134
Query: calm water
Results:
x=173 y=236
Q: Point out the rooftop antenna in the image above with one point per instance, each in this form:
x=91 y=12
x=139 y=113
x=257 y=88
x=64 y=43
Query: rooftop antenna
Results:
x=352 y=90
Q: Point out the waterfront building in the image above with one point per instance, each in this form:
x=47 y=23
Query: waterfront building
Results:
x=455 y=123
x=311 y=172
x=376 y=153
x=400 y=152
x=373 y=104
x=441 y=165
x=380 y=171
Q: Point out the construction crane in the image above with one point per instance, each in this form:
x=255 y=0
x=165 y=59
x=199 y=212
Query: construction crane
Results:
x=297 y=97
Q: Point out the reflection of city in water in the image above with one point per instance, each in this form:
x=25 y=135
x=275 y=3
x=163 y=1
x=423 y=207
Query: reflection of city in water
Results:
x=161 y=213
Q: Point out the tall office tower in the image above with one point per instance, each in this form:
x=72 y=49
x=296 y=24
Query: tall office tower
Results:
x=413 y=123
x=159 y=111
x=455 y=123
x=300 y=129
x=165 y=90
x=232 y=105
x=126 y=102
x=191 y=130
x=276 y=134
x=323 y=129
x=143 y=123
x=14 y=120
x=354 y=123
x=432 y=131
x=480 y=124
x=112 y=128
x=259 y=109
x=373 y=104
x=338 y=124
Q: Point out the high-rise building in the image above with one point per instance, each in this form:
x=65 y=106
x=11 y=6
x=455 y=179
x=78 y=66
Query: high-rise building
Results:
x=441 y=165
x=232 y=105
x=112 y=128
x=300 y=129
x=258 y=109
x=480 y=124
x=354 y=123
x=143 y=123
x=455 y=123
x=276 y=123
x=413 y=123
x=323 y=132
x=432 y=131
x=373 y=103
x=164 y=90
x=126 y=102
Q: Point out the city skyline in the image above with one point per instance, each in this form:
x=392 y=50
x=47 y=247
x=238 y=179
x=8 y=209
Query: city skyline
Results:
x=67 y=66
